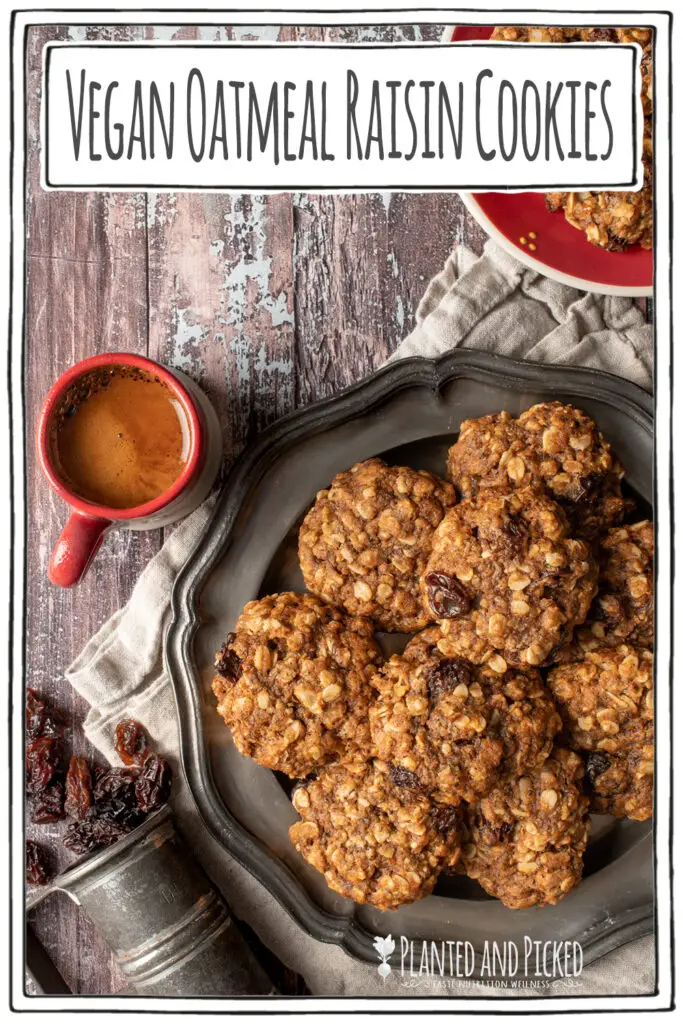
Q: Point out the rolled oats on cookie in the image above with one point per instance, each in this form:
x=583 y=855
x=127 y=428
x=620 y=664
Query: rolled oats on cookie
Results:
x=510 y=559
x=374 y=841
x=448 y=727
x=293 y=683
x=605 y=698
x=524 y=842
x=552 y=446
x=366 y=540
x=623 y=608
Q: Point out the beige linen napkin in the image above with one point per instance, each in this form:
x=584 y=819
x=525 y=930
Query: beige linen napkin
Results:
x=491 y=303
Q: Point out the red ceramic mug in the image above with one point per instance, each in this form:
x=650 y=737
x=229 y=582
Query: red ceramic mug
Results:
x=88 y=523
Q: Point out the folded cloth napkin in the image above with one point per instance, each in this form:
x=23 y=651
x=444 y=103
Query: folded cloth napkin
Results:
x=492 y=303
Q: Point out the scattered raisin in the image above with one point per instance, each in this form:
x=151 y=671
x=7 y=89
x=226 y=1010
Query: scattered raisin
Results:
x=37 y=872
x=228 y=664
x=39 y=721
x=94 y=834
x=448 y=674
x=447 y=597
x=131 y=742
x=114 y=795
x=78 y=800
x=153 y=785
x=596 y=764
x=403 y=776
x=43 y=757
x=48 y=805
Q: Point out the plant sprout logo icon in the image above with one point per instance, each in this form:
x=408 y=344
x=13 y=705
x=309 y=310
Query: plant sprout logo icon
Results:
x=384 y=948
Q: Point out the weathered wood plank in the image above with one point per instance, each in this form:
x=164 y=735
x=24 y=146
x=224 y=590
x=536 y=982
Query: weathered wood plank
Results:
x=86 y=292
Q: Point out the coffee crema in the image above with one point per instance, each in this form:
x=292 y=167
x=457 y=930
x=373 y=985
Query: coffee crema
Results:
x=119 y=437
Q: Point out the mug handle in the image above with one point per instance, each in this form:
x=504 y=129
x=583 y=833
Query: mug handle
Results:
x=77 y=546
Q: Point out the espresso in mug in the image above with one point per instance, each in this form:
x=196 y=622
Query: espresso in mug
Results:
x=119 y=437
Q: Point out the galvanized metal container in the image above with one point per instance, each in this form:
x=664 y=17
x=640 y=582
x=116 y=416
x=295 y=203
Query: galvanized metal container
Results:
x=169 y=929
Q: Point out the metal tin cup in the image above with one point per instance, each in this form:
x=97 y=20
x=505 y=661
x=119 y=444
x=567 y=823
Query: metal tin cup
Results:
x=169 y=929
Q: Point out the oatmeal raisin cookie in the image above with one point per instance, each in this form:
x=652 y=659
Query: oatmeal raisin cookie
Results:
x=293 y=682
x=449 y=727
x=525 y=841
x=605 y=700
x=374 y=841
x=365 y=542
x=551 y=445
x=510 y=558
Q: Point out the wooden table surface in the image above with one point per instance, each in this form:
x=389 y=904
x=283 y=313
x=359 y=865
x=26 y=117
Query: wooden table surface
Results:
x=268 y=302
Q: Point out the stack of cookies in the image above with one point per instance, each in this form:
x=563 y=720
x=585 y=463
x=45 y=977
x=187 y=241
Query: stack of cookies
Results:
x=523 y=699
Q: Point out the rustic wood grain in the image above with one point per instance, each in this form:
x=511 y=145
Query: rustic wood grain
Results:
x=269 y=302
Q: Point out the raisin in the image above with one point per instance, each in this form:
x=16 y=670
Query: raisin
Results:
x=131 y=742
x=114 y=796
x=448 y=674
x=37 y=872
x=153 y=785
x=93 y=834
x=445 y=819
x=403 y=777
x=514 y=532
x=589 y=485
x=447 y=597
x=228 y=664
x=596 y=764
x=505 y=830
x=39 y=721
x=48 y=805
x=43 y=757
x=492 y=835
x=78 y=802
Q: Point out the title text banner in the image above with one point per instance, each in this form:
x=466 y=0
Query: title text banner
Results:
x=256 y=116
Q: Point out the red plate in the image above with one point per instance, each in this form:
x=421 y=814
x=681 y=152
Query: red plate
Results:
x=562 y=252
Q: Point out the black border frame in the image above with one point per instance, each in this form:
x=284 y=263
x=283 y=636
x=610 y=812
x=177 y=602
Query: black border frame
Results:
x=12 y=485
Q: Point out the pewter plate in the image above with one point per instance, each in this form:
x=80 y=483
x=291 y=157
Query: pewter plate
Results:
x=409 y=413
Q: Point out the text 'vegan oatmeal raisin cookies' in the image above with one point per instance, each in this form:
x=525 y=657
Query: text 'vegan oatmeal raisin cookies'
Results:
x=374 y=842
x=552 y=446
x=448 y=727
x=366 y=540
x=605 y=700
x=293 y=682
x=510 y=558
x=525 y=841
